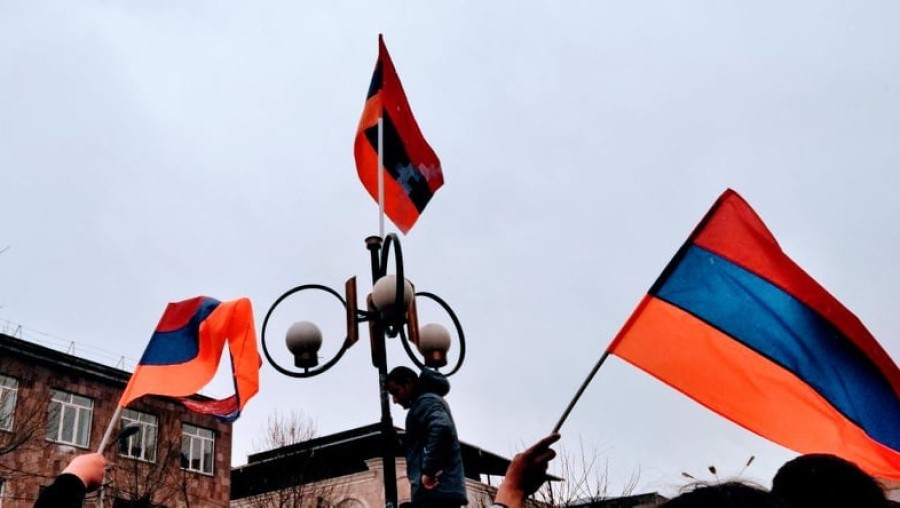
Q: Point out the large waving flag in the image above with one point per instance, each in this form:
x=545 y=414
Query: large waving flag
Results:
x=413 y=169
x=736 y=325
x=184 y=352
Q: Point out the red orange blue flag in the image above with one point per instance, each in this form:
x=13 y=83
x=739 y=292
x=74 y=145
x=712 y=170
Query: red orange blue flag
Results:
x=185 y=349
x=413 y=169
x=736 y=325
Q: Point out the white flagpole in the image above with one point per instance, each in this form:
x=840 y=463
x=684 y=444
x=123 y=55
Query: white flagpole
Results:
x=109 y=429
x=381 y=176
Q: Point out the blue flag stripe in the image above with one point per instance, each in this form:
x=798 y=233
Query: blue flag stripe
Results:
x=181 y=345
x=778 y=326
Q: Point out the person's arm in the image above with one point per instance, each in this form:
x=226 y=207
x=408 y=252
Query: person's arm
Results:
x=526 y=473
x=440 y=436
x=84 y=474
x=67 y=490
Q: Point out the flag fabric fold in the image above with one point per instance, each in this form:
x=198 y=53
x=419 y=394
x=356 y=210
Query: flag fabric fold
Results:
x=413 y=170
x=736 y=325
x=185 y=349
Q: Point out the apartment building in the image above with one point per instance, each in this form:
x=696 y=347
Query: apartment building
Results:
x=54 y=406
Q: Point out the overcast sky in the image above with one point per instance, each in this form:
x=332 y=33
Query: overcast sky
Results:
x=154 y=151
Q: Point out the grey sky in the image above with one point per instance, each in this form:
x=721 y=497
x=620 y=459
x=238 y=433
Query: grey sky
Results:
x=154 y=151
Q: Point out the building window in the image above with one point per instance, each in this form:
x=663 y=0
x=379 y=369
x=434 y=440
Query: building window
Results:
x=69 y=418
x=9 y=388
x=142 y=444
x=197 y=447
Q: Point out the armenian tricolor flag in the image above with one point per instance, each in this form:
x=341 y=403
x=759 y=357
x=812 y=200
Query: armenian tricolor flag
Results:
x=184 y=352
x=736 y=325
x=413 y=169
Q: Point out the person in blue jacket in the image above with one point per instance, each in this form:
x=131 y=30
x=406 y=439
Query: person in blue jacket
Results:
x=433 y=459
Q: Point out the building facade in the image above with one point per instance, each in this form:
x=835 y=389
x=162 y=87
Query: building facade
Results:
x=54 y=406
x=345 y=470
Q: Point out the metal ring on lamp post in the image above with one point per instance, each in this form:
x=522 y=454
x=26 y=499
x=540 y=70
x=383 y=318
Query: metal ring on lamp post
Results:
x=391 y=329
x=307 y=372
x=459 y=332
x=389 y=321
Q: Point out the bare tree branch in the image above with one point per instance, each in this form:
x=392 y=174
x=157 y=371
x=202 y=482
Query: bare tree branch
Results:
x=301 y=492
x=28 y=425
x=583 y=478
x=284 y=430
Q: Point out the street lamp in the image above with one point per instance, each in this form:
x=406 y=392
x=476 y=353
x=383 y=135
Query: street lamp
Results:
x=390 y=312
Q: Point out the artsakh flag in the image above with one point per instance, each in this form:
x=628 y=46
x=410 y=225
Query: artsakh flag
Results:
x=413 y=169
x=184 y=352
x=736 y=325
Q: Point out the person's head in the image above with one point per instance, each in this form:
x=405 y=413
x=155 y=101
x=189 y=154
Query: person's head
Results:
x=725 y=495
x=824 y=480
x=401 y=384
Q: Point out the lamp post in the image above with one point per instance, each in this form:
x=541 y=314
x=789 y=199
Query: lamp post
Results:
x=390 y=311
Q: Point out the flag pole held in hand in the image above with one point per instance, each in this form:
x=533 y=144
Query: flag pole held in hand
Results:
x=577 y=396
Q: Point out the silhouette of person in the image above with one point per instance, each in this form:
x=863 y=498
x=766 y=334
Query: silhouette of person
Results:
x=825 y=481
x=433 y=459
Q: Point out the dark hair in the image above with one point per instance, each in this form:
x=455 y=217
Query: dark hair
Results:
x=725 y=495
x=402 y=375
x=823 y=480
